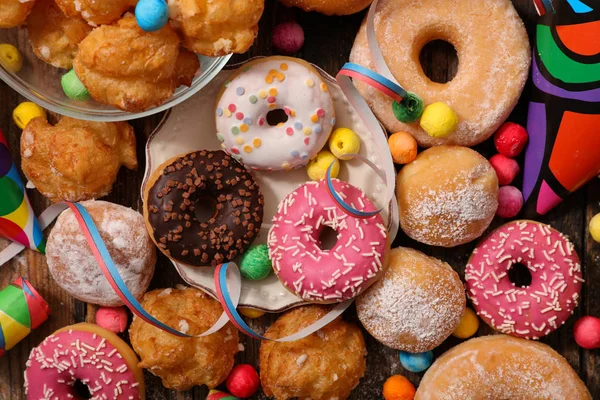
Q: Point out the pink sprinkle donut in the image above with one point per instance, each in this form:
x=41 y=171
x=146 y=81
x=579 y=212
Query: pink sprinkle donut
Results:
x=355 y=261
x=531 y=311
x=87 y=354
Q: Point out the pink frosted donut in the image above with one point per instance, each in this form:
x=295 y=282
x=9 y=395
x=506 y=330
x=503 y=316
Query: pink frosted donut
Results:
x=86 y=354
x=534 y=310
x=355 y=261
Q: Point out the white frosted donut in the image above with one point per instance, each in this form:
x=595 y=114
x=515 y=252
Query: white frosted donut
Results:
x=493 y=52
x=265 y=85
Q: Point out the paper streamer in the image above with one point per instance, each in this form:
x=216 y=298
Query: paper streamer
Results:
x=22 y=309
x=17 y=219
x=229 y=300
x=564 y=111
x=218 y=395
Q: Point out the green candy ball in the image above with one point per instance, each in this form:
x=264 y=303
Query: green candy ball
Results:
x=73 y=87
x=255 y=264
x=409 y=109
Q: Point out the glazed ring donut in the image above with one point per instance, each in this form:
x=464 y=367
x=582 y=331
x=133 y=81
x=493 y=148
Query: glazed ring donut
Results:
x=547 y=302
x=493 y=52
x=172 y=196
x=501 y=367
x=87 y=353
x=265 y=85
x=356 y=260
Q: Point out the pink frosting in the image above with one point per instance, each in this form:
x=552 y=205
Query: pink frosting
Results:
x=314 y=274
x=543 y=306
x=63 y=358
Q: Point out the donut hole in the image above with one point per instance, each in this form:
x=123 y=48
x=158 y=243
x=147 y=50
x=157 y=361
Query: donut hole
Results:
x=327 y=238
x=439 y=61
x=206 y=209
x=276 y=117
x=81 y=390
x=520 y=275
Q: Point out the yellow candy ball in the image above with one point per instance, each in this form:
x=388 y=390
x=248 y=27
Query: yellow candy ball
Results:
x=251 y=313
x=439 y=120
x=27 y=111
x=11 y=58
x=595 y=227
x=317 y=167
x=468 y=325
x=344 y=141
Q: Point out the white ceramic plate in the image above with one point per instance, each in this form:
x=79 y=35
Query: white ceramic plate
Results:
x=191 y=125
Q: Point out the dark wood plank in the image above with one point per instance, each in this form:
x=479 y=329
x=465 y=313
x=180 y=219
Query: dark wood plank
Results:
x=328 y=44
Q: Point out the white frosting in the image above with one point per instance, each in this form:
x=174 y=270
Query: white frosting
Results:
x=271 y=84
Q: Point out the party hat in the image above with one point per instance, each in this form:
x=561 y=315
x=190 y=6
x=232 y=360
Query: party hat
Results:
x=218 y=395
x=563 y=153
x=17 y=219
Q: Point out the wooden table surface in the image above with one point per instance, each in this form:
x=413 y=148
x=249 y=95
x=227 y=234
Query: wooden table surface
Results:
x=328 y=43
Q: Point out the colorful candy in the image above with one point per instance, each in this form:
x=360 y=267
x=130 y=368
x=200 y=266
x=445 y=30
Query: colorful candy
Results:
x=439 y=120
x=17 y=219
x=251 y=313
x=288 y=37
x=510 y=139
x=10 y=58
x=317 y=167
x=344 y=141
x=218 y=395
x=510 y=202
x=587 y=332
x=506 y=168
x=243 y=381
x=595 y=227
x=409 y=109
x=468 y=325
x=403 y=147
x=152 y=15
x=73 y=87
x=397 y=387
x=416 y=362
x=112 y=318
x=25 y=112
x=22 y=309
x=255 y=264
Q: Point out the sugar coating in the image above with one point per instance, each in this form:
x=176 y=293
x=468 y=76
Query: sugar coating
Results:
x=494 y=59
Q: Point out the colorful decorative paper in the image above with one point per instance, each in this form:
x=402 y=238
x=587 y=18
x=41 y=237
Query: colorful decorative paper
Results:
x=218 y=395
x=563 y=153
x=22 y=309
x=17 y=219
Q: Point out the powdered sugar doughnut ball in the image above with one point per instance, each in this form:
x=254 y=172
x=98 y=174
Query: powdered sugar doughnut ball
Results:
x=417 y=304
x=447 y=196
x=74 y=267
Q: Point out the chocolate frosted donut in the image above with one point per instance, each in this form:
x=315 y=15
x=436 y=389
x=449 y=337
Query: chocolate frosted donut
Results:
x=171 y=200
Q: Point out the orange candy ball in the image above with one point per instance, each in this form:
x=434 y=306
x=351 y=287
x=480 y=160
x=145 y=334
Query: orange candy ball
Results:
x=398 y=387
x=403 y=147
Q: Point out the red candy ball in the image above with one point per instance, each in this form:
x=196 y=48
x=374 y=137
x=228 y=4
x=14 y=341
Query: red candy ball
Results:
x=510 y=202
x=506 y=168
x=587 y=332
x=243 y=381
x=510 y=139
x=288 y=37
x=112 y=318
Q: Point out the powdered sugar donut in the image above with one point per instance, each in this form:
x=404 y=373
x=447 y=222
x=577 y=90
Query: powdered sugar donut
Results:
x=286 y=90
x=354 y=262
x=74 y=267
x=531 y=311
x=416 y=305
x=491 y=73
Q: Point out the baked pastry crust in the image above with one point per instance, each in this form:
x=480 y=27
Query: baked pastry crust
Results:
x=14 y=12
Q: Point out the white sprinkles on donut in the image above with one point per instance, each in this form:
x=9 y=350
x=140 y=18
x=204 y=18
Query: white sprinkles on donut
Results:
x=540 y=308
x=352 y=265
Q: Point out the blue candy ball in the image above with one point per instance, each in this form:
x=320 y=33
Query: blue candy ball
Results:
x=152 y=15
x=416 y=362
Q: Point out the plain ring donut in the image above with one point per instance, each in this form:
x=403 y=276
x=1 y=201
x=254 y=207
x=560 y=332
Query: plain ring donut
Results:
x=494 y=57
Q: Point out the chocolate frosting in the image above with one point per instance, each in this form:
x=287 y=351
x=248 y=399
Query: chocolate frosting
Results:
x=201 y=176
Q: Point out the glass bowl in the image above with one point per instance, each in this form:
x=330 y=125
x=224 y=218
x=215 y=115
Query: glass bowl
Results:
x=40 y=83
